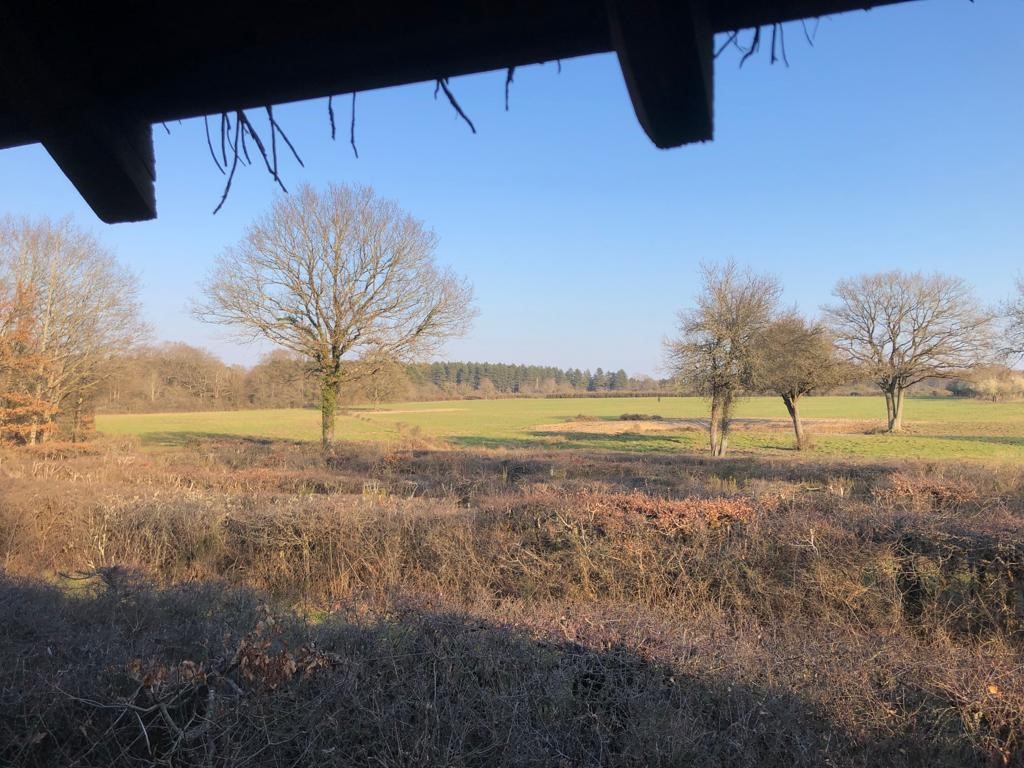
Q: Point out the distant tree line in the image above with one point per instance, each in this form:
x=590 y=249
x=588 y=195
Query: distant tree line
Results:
x=178 y=377
x=495 y=379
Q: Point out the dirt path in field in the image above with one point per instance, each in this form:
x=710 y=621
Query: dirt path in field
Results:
x=411 y=410
x=618 y=427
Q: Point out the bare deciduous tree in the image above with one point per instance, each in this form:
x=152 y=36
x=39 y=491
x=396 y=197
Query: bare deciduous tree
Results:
x=714 y=352
x=1015 y=322
x=796 y=358
x=903 y=328
x=336 y=276
x=86 y=308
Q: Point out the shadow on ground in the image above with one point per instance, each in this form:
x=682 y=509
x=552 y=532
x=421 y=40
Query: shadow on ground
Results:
x=1015 y=441
x=122 y=673
x=466 y=469
x=180 y=439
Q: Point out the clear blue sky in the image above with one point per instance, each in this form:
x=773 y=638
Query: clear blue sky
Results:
x=897 y=141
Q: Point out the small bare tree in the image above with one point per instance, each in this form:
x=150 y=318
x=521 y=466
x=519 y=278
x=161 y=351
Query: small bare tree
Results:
x=903 y=328
x=796 y=358
x=1014 y=311
x=715 y=351
x=336 y=276
x=85 y=310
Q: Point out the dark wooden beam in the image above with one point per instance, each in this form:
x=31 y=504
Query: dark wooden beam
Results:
x=665 y=49
x=731 y=15
x=205 y=57
x=322 y=47
x=89 y=80
x=111 y=163
x=104 y=150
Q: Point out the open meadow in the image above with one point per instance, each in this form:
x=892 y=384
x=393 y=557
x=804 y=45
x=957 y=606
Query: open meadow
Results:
x=936 y=428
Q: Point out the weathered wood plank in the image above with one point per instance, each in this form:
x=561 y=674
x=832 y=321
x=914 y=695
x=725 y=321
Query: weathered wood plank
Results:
x=665 y=49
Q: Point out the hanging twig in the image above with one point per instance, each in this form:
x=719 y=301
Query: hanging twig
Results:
x=755 y=45
x=238 y=148
x=245 y=130
x=209 y=143
x=273 y=153
x=275 y=127
x=810 y=36
x=509 y=75
x=778 y=30
x=442 y=83
x=330 y=114
x=730 y=40
x=352 y=128
x=234 y=164
x=269 y=160
x=223 y=138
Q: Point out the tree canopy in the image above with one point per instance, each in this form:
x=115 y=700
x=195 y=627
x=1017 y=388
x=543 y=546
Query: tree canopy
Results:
x=715 y=349
x=902 y=328
x=338 y=275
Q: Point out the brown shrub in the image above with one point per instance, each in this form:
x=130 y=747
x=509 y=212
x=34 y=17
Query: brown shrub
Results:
x=513 y=606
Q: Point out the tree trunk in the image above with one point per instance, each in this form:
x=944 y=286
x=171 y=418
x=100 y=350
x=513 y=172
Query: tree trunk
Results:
x=721 y=414
x=793 y=406
x=723 y=431
x=723 y=440
x=889 y=409
x=329 y=390
x=76 y=421
x=896 y=424
x=716 y=407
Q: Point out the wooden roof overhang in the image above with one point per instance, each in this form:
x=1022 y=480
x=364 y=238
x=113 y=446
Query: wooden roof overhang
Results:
x=88 y=80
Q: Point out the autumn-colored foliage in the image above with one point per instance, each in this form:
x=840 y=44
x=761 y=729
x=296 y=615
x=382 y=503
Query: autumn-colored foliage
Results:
x=25 y=415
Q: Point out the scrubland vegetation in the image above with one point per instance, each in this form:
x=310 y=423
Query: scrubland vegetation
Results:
x=255 y=602
x=499 y=582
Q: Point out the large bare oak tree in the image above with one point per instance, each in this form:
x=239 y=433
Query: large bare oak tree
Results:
x=901 y=329
x=715 y=352
x=335 y=276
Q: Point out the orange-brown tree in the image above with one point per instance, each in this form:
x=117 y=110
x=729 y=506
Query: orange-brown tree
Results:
x=23 y=368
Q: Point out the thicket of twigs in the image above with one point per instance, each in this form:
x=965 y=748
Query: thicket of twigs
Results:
x=248 y=603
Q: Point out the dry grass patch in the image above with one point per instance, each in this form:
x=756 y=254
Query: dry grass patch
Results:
x=641 y=423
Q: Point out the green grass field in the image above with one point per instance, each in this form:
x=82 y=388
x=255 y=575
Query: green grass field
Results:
x=935 y=428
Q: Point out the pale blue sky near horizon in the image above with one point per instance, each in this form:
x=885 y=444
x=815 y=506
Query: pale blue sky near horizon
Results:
x=894 y=142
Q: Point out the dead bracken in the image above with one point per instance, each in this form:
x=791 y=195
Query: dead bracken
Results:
x=236 y=602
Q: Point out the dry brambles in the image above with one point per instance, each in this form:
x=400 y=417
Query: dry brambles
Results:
x=243 y=603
